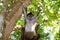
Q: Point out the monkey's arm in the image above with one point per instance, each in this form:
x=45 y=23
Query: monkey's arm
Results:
x=38 y=14
x=25 y=11
x=36 y=17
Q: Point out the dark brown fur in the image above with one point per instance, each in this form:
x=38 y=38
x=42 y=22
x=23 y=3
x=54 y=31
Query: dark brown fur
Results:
x=24 y=36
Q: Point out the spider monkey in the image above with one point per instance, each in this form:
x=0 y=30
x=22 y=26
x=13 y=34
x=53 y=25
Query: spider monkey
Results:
x=29 y=32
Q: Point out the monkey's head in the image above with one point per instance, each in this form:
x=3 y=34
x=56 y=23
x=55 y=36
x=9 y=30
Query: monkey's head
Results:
x=30 y=16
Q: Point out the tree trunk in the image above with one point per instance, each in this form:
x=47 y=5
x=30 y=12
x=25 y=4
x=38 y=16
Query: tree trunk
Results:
x=9 y=25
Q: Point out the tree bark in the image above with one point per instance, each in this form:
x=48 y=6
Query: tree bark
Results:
x=11 y=23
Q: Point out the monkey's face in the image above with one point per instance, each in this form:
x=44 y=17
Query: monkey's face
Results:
x=30 y=17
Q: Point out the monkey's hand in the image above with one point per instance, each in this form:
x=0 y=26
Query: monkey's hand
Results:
x=35 y=24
